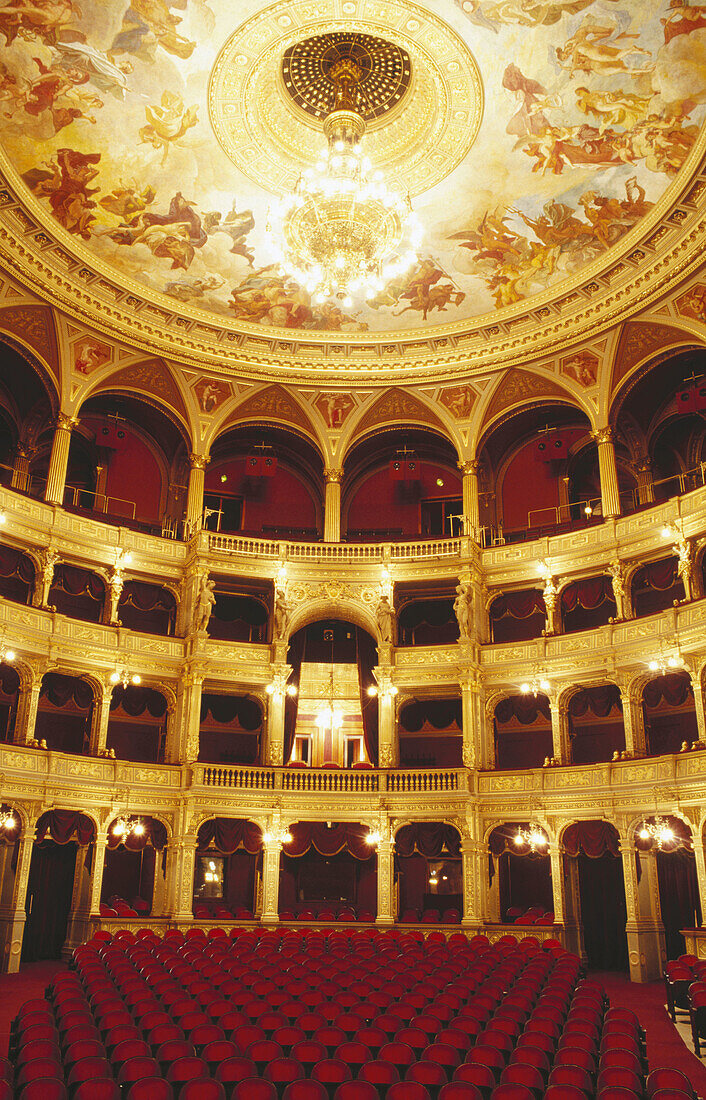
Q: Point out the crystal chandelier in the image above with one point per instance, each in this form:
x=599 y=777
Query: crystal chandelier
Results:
x=536 y=686
x=7 y=655
x=125 y=827
x=532 y=838
x=125 y=678
x=658 y=831
x=342 y=232
x=7 y=819
x=330 y=717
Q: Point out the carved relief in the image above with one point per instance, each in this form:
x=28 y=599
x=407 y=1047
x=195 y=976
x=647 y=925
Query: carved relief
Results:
x=35 y=326
x=90 y=355
x=582 y=367
x=151 y=376
x=693 y=303
x=517 y=386
x=396 y=405
x=639 y=339
x=335 y=408
x=211 y=393
x=459 y=400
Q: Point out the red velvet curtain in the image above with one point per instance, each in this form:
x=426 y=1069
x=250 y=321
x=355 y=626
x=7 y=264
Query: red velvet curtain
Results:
x=442 y=714
x=78 y=582
x=228 y=834
x=229 y=708
x=154 y=833
x=658 y=574
x=62 y=690
x=62 y=826
x=366 y=654
x=518 y=605
x=525 y=708
x=136 y=699
x=678 y=896
x=674 y=689
x=13 y=563
x=591 y=838
x=329 y=841
x=600 y=700
x=147 y=597
x=588 y=594
x=428 y=838
x=246 y=609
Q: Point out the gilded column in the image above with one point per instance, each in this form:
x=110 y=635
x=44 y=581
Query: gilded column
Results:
x=59 y=460
x=48 y=560
x=28 y=702
x=387 y=741
x=561 y=739
x=183 y=872
x=99 y=720
x=556 y=861
x=472 y=860
x=698 y=842
x=573 y=927
x=101 y=844
x=608 y=470
x=469 y=746
x=634 y=725
x=20 y=471
x=386 y=914
x=471 y=498
x=645 y=485
x=644 y=928
x=332 y=505
x=270 y=879
x=183 y=742
x=17 y=917
x=698 y=689
x=273 y=751
x=194 y=497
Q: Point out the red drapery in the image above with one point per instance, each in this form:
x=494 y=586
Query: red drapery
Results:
x=658 y=574
x=502 y=839
x=600 y=700
x=329 y=841
x=518 y=605
x=588 y=594
x=61 y=690
x=62 y=826
x=682 y=835
x=429 y=838
x=246 y=609
x=15 y=564
x=366 y=656
x=228 y=834
x=678 y=897
x=228 y=708
x=9 y=680
x=147 y=597
x=442 y=714
x=674 y=689
x=135 y=700
x=154 y=833
x=592 y=838
x=525 y=708
x=295 y=655
x=78 y=582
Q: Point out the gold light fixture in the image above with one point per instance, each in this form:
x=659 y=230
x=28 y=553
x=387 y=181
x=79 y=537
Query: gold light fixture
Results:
x=342 y=232
x=122 y=676
x=533 y=838
x=536 y=686
x=283 y=836
x=125 y=827
x=664 y=664
x=658 y=830
x=7 y=655
x=7 y=819
x=330 y=716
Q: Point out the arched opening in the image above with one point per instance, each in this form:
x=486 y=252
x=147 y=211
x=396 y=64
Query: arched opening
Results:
x=16 y=575
x=9 y=697
x=328 y=872
x=332 y=720
x=525 y=468
x=27 y=408
x=670 y=839
x=670 y=713
x=523 y=731
x=425 y=614
x=655 y=587
x=231 y=729
x=401 y=483
x=265 y=480
x=137 y=726
x=429 y=873
x=596 y=724
x=592 y=852
x=63 y=849
x=518 y=616
x=64 y=713
x=430 y=733
x=77 y=593
x=523 y=887
x=587 y=603
x=127 y=462
x=658 y=416
x=228 y=869
x=147 y=608
x=131 y=866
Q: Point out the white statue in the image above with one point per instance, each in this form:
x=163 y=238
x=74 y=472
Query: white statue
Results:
x=205 y=605
x=385 y=615
x=462 y=611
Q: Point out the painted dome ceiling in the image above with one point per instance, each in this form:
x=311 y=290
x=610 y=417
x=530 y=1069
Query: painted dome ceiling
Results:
x=532 y=135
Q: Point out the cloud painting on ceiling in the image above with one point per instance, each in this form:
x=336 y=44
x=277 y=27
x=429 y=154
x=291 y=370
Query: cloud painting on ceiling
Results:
x=116 y=117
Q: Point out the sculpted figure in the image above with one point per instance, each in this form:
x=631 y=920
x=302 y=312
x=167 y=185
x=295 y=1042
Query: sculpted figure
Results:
x=49 y=559
x=281 y=614
x=617 y=577
x=685 y=566
x=205 y=604
x=385 y=615
x=462 y=611
x=550 y=594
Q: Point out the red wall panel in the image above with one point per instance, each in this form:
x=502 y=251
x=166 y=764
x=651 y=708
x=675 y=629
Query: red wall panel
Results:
x=132 y=473
x=530 y=483
x=380 y=502
x=279 y=501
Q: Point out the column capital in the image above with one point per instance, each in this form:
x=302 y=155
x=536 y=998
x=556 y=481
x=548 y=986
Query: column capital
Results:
x=333 y=475
x=469 y=466
x=199 y=462
x=66 y=422
x=603 y=435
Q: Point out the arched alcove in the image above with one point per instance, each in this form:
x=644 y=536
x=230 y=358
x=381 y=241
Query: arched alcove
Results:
x=132 y=861
x=669 y=711
x=655 y=586
x=77 y=593
x=326 y=869
x=592 y=853
x=400 y=483
x=524 y=883
x=517 y=616
x=62 y=847
x=227 y=869
x=587 y=603
x=27 y=407
x=430 y=733
x=137 y=725
x=523 y=731
x=670 y=839
x=64 y=713
x=596 y=724
x=429 y=873
x=16 y=575
x=230 y=730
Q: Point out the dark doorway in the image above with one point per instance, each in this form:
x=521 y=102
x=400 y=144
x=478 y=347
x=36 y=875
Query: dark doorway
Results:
x=603 y=911
x=49 y=892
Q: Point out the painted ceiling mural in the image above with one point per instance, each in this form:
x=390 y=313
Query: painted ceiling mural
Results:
x=124 y=119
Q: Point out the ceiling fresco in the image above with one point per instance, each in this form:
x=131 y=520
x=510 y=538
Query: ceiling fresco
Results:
x=531 y=135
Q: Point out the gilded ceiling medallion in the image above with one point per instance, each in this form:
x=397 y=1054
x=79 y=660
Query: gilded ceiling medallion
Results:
x=428 y=98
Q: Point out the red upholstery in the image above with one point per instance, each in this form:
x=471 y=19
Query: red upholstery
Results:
x=151 y=1088
x=98 y=1089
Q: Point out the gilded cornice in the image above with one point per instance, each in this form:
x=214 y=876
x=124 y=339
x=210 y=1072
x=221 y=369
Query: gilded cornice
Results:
x=657 y=255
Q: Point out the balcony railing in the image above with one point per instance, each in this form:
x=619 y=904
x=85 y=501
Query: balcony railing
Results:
x=334 y=780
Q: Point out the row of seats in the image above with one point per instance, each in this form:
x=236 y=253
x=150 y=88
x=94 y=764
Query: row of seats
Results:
x=204 y=911
x=118 y=907
x=533 y=915
x=685 y=986
x=305 y=1015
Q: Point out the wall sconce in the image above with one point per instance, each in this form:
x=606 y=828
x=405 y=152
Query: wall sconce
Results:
x=125 y=678
x=282 y=835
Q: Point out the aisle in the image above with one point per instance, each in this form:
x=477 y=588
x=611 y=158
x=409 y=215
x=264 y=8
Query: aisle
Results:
x=665 y=1046
x=15 y=989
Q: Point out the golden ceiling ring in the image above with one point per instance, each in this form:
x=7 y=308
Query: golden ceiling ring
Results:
x=416 y=142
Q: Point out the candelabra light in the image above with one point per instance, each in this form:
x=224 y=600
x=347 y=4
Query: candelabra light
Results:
x=532 y=838
x=535 y=686
x=122 y=676
x=282 y=835
x=275 y=689
x=7 y=655
x=666 y=664
x=7 y=819
x=125 y=827
x=330 y=716
x=658 y=830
